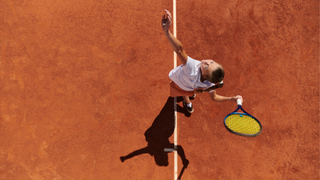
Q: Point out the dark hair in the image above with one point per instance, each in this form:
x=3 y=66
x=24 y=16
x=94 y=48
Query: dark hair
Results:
x=216 y=75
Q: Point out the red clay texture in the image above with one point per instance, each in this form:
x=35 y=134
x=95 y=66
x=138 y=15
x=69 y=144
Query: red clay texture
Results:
x=83 y=83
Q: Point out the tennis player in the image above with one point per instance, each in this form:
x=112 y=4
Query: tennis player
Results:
x=193 y=76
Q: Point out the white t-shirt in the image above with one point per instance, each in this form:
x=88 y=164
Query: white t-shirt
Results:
x=187 y=77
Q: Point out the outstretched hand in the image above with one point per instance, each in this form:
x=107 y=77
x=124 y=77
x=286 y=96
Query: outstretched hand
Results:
x=235 y=98
x=166 y=21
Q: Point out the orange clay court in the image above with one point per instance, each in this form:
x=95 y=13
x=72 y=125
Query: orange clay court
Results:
x=85 y=82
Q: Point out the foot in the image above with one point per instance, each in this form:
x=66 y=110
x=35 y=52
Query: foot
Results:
x=185 y=163
x=122 y=158
x=192 y=97
x=189 y=109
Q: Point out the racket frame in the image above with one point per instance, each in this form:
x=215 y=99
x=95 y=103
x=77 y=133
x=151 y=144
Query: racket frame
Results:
x=244 y=113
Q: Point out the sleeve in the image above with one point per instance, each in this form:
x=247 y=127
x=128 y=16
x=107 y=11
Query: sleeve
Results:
x=189 y=66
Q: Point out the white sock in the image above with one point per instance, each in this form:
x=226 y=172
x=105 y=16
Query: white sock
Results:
x=189 y=105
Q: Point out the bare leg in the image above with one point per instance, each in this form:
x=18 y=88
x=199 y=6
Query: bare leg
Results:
x=186 y=99
x=135 y=153
x=182 y=156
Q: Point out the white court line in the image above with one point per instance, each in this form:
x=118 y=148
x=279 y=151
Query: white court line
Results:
x=175 y=99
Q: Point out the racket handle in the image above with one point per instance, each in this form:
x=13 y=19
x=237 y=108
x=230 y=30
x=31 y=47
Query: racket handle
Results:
x=239 y=102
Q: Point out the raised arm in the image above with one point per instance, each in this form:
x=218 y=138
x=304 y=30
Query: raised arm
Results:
x=174 y=42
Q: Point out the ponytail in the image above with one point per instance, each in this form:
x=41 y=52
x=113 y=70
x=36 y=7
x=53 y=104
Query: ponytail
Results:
x=216 y=86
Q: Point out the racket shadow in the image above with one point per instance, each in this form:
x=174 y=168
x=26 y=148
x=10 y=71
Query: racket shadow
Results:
x=158 y=135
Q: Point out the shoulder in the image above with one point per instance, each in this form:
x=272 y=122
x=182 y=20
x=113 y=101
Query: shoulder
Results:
x=192 y=62
x=191 y=67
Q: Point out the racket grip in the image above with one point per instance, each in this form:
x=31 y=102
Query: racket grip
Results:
x=239 y=102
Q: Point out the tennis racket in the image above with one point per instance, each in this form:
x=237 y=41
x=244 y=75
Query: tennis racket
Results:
x=242 y=124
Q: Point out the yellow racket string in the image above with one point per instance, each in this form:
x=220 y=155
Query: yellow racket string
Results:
x=242 y=124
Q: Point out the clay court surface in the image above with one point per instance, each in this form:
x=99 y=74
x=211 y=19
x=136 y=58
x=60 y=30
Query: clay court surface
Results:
x=82 y=81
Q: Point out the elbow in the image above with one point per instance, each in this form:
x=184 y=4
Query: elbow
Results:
x=213 y=98
x=179 y=49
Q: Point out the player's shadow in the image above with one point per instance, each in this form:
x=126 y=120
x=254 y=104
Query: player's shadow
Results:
x=158 y=135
